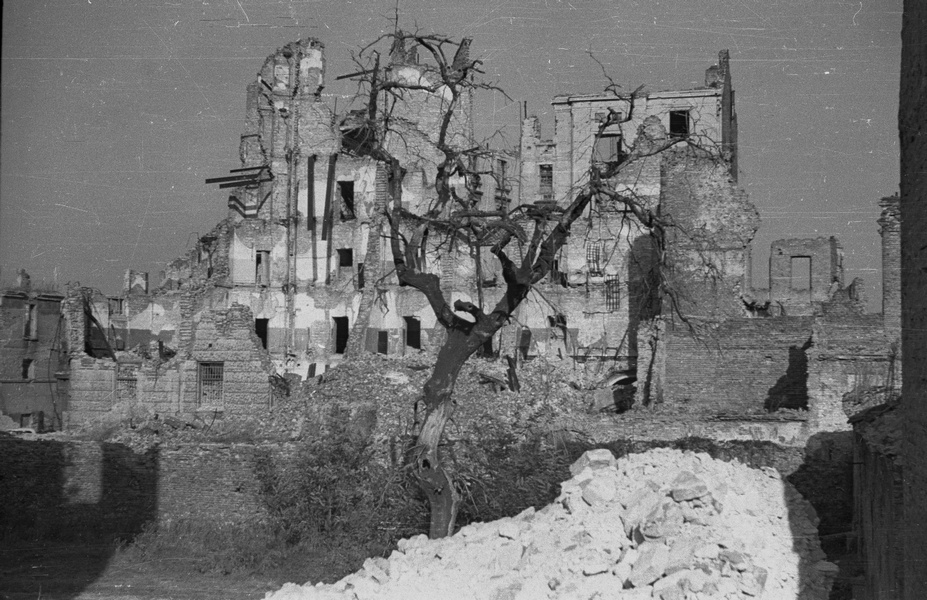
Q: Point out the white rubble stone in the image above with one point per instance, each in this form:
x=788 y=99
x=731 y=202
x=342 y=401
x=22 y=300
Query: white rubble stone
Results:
x=712 y=517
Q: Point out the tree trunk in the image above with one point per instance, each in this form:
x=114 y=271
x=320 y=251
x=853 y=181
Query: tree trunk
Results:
x=427 y=463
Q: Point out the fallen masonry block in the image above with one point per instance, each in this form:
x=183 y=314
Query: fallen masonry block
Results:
x=688 y=487
x=600 y=458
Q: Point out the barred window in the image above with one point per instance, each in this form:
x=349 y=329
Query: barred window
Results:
x=612 y=294
x=209 y=382
x=594 y=252
x=546 y=174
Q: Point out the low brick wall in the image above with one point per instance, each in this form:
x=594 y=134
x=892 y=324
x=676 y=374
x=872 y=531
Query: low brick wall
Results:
x=743 y=366
x=73 y=489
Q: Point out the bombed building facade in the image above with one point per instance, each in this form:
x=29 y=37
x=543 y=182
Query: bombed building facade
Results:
x=300 y=272
x=33 y=358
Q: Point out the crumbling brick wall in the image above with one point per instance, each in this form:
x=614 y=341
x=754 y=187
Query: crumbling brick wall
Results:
x=711 y=223
x=804 y=272
x=848 y=354
x=32 y=347
x=739 y=366
x=54 y=488
x=879 y=501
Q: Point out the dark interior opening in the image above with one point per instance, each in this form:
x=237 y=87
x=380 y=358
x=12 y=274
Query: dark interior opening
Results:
x=260 y=328
x=341 y=334
x=413 y=332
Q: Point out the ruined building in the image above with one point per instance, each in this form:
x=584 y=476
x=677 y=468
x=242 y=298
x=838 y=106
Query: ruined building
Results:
x=33 y=358
x=300 y=271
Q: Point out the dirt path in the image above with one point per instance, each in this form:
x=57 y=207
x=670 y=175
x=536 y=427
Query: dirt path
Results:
x=96 y=572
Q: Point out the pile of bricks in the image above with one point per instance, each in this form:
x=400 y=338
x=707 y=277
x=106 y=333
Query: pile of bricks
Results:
x=663 y=524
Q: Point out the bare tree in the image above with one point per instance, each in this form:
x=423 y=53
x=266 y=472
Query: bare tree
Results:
x=525 y=239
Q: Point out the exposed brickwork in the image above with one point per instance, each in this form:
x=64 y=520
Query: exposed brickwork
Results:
x=87 y=488
x=32 y=356
x=794 y=291
x=744 y=366
x=879 y=503
x=890 y=230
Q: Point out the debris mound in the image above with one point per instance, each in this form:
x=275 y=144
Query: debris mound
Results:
x=663 y=524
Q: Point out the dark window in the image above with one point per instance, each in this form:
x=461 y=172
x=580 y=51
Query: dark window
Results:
x=524 y=342
x=25 y=420
x=209 y=382
x=260 y=328
x=345 y=257
x=413 y=332
x=801 y=273
x=262 y=267
x=612 y=294
x=607 y=149
x=546 y=174
x=115 y=306
x=30 y=323
x=594 y=258
x=311 y=372
x=360 y=276
x=382 y=342
x=346 y=191
x=341 y=334
x=28 y=369
x=679 y=123
x=501 y=179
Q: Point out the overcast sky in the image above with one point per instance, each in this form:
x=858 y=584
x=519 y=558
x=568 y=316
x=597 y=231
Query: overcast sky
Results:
x=115 y=111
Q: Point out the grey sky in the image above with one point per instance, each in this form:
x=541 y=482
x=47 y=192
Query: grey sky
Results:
x=115 y=111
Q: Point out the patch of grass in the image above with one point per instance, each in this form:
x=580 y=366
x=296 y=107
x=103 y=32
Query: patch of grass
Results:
x=245 y=551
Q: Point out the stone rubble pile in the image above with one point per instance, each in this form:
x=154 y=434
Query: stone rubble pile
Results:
x=664 y=524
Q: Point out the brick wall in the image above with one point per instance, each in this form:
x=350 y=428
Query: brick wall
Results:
x=912 y=125
x=30 y=355
x=170 y=385
x=78 y=489
x=741 y=366
x=848 y=353
x=878 y=510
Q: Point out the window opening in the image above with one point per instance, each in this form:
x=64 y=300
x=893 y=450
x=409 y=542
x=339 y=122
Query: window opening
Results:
x=679 y=123
x=524 y=342
x=341 y=334
x=800 y=273
x=612 y=294
x=210 y=379
x=413 y=332
x=594 y=258
x=260 y=328
x=345 y=257
x=607 y=148
x=501 y=175
x=382 y=342
x=115 y=306
x=31 y=323
x=546 y=174
x=262 y=267
x=346 y=191
x=28 y=369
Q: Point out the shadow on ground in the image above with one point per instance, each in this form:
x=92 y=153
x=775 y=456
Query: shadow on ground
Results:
x=64 y=510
